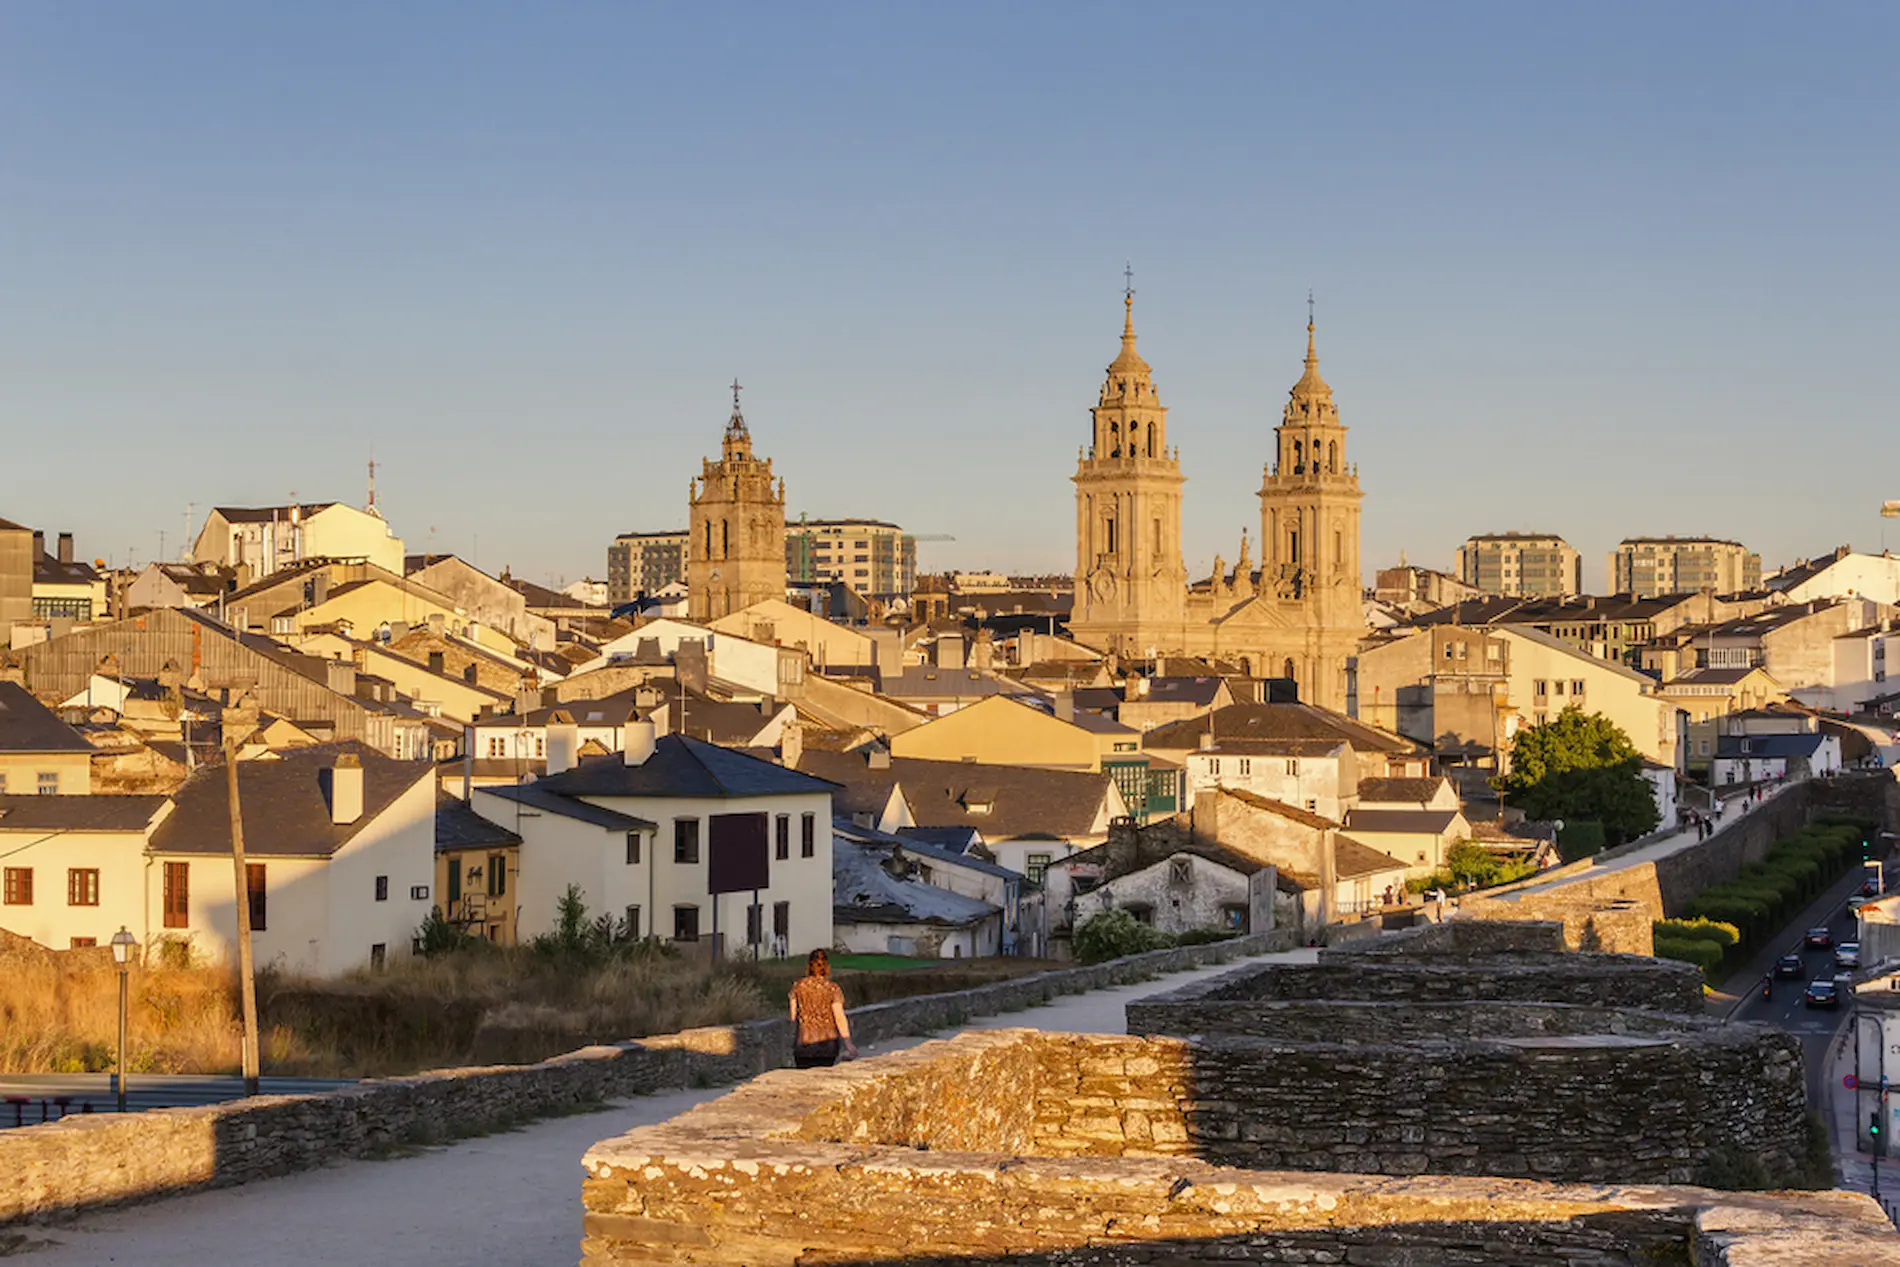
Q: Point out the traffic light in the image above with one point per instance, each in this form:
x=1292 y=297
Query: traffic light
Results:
x=1873 y=1124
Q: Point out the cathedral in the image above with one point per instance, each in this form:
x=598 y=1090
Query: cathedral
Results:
x=735 y=545
x=1298 y=615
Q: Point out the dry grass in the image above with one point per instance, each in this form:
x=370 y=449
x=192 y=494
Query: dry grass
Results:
x=59 y=1011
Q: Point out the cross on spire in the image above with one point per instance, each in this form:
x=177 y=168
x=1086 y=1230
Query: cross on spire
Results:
x=736 y=389
x=1309 y=309
x=1128 y=280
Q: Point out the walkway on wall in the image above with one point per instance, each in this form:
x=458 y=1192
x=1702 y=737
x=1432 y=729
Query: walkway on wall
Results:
x=1732 y=811
x=512 y=1198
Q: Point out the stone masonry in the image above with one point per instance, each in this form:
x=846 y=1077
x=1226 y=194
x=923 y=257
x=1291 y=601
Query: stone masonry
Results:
x=927 y=1157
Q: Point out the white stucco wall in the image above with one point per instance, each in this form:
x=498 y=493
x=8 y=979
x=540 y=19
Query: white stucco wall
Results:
x=119 y=857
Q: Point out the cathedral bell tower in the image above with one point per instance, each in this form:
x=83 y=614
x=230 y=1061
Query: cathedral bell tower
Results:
x=735 y=547
x=1130 y=584
x=1309 y=506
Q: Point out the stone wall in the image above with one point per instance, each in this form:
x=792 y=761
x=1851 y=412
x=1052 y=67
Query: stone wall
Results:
x=83 y=1162
x=1580 y=979
x=1345 y=1021
x=1606 y=1109
x=805 y=1168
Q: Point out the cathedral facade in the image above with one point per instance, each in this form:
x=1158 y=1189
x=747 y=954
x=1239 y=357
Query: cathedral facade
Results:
x=1298 y=615
x=735 y=546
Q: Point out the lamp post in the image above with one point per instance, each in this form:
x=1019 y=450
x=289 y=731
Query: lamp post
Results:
x=122 y=944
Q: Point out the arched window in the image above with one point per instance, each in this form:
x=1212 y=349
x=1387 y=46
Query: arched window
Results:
x=1332 y=457
x=709 y=538
x=1114 y=439
x=1151 y=439
x=1299 y=457
x=1286 y=670
x=1339 y=548
x=725 y=538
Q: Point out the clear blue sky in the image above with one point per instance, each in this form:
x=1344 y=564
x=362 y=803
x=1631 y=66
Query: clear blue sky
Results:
x=1598 y=270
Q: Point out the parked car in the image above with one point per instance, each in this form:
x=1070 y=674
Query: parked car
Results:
x=1818 y=938
x=1870 y=888
x=1790 y=967
x=1855 y=903
x=1822 y=994
x=1847 y=955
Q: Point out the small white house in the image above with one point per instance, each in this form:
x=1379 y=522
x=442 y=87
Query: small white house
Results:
x=681 y=839
x=1753 y=758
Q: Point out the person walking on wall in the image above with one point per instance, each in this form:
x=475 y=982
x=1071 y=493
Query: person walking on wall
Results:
x=818 y=1014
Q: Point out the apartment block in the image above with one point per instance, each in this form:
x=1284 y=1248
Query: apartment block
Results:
x=1649 y=567
x=644 y=563
x=874 y=558
x=1521 y=564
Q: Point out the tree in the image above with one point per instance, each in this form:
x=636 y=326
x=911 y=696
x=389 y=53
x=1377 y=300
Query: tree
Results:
x=1581 y=765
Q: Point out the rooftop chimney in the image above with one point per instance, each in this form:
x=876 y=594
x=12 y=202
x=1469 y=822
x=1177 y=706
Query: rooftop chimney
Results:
x=346 y=790
x=39 y=546
x=1065 y=705
x=564 y=742
x=950 y=651
x=641 y=741
x=65 y=547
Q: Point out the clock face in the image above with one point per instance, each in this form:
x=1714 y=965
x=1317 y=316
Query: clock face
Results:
x=1104 y=588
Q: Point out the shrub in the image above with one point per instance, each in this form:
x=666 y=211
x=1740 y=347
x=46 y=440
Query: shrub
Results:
x=1580 y=839
x=1706 y=955
x=1113 y=934
x=1202 y=936
x=1725 y=934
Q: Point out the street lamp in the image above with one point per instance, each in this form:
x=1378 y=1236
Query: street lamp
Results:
x=122 y=945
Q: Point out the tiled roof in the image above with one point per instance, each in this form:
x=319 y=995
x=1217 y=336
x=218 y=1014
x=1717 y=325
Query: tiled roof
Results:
x=1304 y=817
x=26 y=725
x=536 y=796
x=1404 y=791
x=1351 y=858
x=1267 y=724
x=1023 y=803
x=1431 y=821
x=685 y=768
x=79 y=813
x=285 y=801
x=459 y=827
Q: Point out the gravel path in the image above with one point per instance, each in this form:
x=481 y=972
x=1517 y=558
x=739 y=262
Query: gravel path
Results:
x=510 y=1200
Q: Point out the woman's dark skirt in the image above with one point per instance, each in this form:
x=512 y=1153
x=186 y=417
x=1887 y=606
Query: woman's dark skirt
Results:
x=815 y=1055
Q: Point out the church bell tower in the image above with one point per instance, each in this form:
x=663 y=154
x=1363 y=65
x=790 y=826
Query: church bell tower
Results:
x=1130 y=584
x=735 y=547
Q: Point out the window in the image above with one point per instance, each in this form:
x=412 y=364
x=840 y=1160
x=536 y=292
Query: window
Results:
x=808 y=836
x=782 y=919
x=82 y=886
x=382 y=888
x=455 y=881
x=1576 y=688
x=1180 y=870
x=782 y=840
x=1540 y=688
x=686 y=923
x=686 y=840
x=49 y=783
x=633 y=848
x=1246 y=766
x=540 y=746
x=632 y=921
x=16 y=887
x=1292 y=765
x=378 y=956
x=497 y=875
x=82 y=943
x=1557 y=687
x=3 y=782
x=1035 y=866
x=254 y=891
x=177 y=898
x=1234 y=918
x=497 y=746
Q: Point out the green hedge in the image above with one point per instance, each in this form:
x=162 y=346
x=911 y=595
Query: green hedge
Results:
x=1706 y=955
x=1724 y=934
x=1766 y=894
x=1580 y=839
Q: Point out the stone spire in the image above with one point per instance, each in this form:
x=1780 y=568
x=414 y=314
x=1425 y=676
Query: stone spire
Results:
x=738 y=441
x=1311 y=399
x=1128 y=365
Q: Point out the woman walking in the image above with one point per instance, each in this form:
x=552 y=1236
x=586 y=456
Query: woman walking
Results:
x=818 y=1014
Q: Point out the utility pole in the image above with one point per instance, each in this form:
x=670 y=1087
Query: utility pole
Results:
x=247 y=980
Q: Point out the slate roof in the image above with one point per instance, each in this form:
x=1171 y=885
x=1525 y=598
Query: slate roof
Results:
x=683 y=767
x=923 y=681
x=264 y=514
x=1403 y=791
x=957 y=840
x=1199 y=691
x=865 y=892
x=1712 y=677
x=1804 y=745
x=285 y=801
x=614 y=710
x=79 y=813
x=536 y=796
x=1352 y=858
x=1152 y=849
x=26 y=725
x=1431 y=821
x=48 y=570
x=1025 y=804
x=1267 y=728
x=457 y=826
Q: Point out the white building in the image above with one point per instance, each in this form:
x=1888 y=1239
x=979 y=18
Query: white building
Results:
x=1840 y=574
x=266 y=538
x=339 y=845
x=680 y=839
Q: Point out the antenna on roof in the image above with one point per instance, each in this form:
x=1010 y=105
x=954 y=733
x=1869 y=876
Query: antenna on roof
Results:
x=371 y=507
